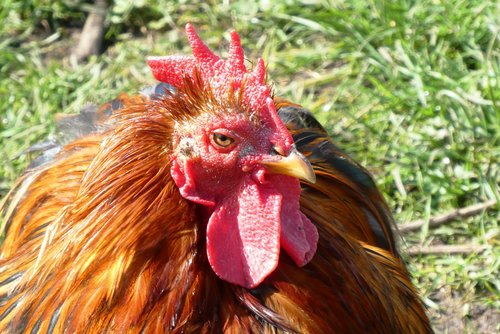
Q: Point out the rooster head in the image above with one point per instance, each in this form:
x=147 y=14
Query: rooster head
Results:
x=233 y=155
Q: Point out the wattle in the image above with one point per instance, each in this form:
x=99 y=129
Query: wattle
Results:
x=246 y=230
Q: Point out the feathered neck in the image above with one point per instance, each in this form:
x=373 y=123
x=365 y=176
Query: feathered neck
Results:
x=122 y=238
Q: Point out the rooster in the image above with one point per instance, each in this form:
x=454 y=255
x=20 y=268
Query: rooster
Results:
x=202 y=205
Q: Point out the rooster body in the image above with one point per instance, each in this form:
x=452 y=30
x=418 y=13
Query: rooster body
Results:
x=109 y=234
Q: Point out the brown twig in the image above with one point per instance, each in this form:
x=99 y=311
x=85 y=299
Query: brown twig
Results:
x=434 y=221
x=446 y=249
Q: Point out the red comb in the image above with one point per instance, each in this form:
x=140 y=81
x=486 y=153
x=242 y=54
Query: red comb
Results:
x=220 y=74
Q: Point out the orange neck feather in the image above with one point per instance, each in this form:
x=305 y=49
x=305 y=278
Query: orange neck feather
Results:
x=121 y=237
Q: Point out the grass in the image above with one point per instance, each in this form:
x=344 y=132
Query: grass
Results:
x=411 y=89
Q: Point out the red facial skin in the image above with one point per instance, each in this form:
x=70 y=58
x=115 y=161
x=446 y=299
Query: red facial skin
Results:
x=221 y=168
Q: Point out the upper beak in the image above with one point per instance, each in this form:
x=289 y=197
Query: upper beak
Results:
x=294 y=164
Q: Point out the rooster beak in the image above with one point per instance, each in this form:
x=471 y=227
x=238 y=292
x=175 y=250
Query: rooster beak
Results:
x=294 y=164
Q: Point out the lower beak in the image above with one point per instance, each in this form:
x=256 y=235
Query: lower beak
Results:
x=294 y=164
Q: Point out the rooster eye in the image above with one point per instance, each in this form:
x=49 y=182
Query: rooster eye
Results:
x=222 y=140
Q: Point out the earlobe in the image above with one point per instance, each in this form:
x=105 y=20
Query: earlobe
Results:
x=182 y=175
x=177 y=174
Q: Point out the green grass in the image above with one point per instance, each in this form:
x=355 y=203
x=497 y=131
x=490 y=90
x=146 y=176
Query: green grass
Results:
x=411 y=89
